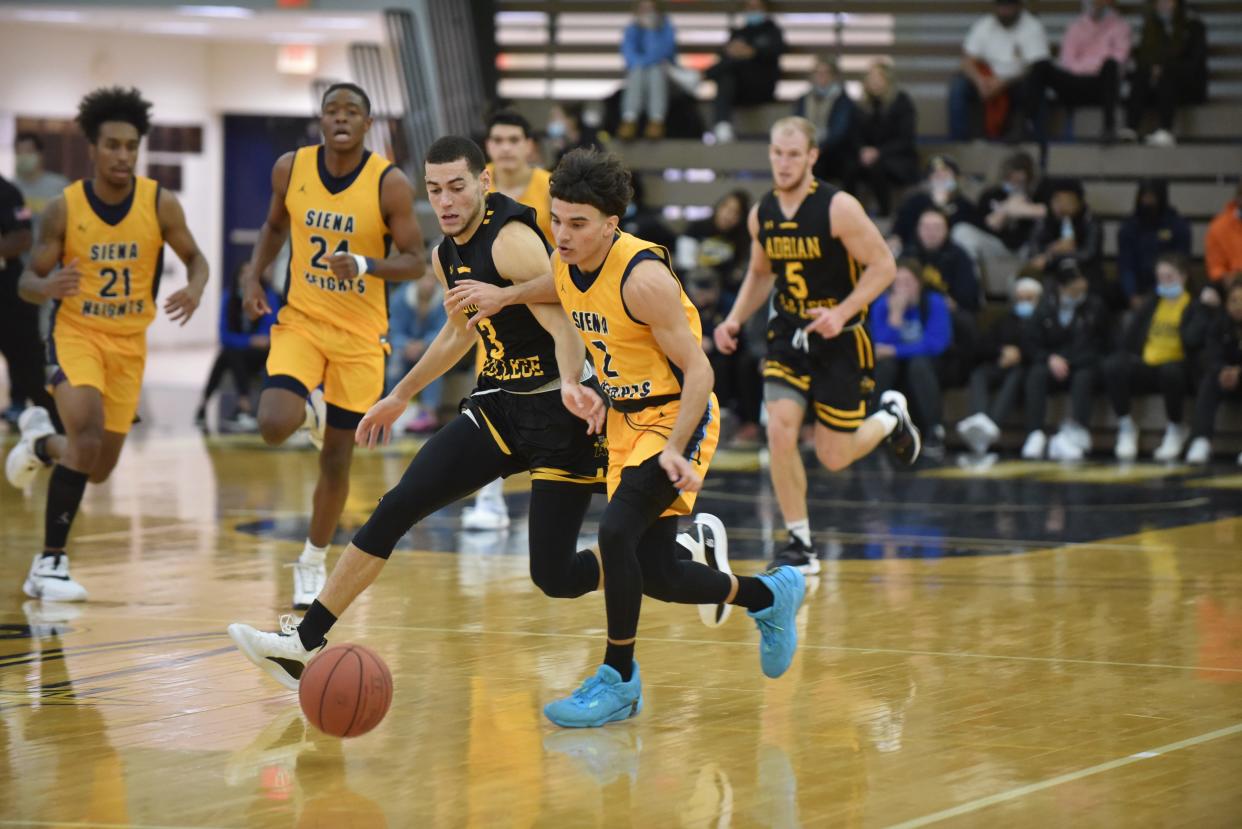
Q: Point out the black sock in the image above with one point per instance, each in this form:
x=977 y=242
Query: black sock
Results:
x=64 y=495
x=752 y=594
x=621 y=659
x=315 y=625
x=40 y=450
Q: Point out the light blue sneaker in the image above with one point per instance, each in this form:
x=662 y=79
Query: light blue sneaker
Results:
x=599 y=700
x=778 y=634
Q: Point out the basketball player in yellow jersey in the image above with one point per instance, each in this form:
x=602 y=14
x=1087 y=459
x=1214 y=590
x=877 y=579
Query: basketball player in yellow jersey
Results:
x=99 y=257
x=339 y=204
x=828 y=263
x=645 y=339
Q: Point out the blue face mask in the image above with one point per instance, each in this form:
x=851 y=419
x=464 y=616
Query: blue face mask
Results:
x=1024 y=309
x=1170 y=290
x=755 y=18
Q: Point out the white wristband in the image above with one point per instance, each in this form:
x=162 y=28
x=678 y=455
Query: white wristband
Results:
x=361 y=262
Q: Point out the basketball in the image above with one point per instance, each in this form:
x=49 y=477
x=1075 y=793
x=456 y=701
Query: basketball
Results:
x=346 y=690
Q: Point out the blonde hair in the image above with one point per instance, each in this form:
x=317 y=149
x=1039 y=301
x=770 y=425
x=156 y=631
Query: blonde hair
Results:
x=890 y=77
x=795 y=123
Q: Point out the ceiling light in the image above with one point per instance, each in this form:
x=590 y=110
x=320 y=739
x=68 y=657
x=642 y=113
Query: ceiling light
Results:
x=216 y=11
x=178 y=27
x=305 y=38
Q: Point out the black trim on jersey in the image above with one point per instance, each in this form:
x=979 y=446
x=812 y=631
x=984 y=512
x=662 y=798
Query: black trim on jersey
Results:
x=159 y=260
x=379 y=191
x=339 y=418
x=638 y=404
x=337 y=184
x=645 y=255
x=111 y=214
x=284 y=295
x=583 y=280
x=287 y=382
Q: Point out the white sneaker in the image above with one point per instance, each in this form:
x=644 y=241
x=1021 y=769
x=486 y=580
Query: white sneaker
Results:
x=1161 y=138
x=724 y=133
x=280 y=655
x=49 y=580
x=316 y=418
x=308 y=580
x=979 y=432
x=1127 y=135
x=1033 y=448
x=1171 y=446
x=1127 y=439
x=1077 y=434
x=1240 y=459
x=713 y=551
x=22 y=464
x=1200 y=451
x=1063 y=448
x=489 y=511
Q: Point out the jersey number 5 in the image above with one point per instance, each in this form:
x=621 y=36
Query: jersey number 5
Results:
x=603 y=349
x=321 y=247
x=795 y=280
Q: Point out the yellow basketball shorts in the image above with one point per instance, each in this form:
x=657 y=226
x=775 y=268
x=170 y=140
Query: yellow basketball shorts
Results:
x=635 y=437
x=112 y=364
x=310 y=352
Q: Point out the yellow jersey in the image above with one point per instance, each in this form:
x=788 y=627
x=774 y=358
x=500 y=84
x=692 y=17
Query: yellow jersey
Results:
x=1164 y=338
x=632 y=368
x=330 y=215
x=538 y=194
x=120 y=254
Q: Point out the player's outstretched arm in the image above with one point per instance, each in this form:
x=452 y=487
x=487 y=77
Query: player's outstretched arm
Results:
x=271 y=239
x=491 y=299
x=180 y=306
x=43 y=279
x=397 y=204
x=866 y=246
x=754 y=293
x=653 y=296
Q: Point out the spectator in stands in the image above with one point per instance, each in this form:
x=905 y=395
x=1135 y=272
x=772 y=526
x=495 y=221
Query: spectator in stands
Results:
x=997 y=56
x=1069 y=231
x=1001 y=367
x=416 y=315
x=881 y=154
x=1154 y=228
x=19 y=321
x=1223 y=254
x=749 y=66
x=1007 y=217
x=649 y=46
x=1156 y=354
x=243 y=354
x=941 y=189
x=1069 y=337
x=566 y=130
x=830 y=108
x=738 y=381
x=946 y=267
x=1170 y=68
x=911 y=328
x=1087 y=70
x=37 y=185
x=720 y=242
x=1223 y=377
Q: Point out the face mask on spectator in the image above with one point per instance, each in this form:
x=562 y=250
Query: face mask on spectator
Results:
x=1024 y=309
x=27 y=163
x=755 y=18
x=556 y=129
x=822 y=91
x=1169 y=290
x=943 y=185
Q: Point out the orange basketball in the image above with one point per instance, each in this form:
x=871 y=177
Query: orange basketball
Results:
x=346 y=690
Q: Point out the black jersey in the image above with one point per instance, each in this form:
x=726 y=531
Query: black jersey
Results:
x=520 y=354
x=813 y=269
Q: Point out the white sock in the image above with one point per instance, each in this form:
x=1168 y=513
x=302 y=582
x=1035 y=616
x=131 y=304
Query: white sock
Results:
x=492 y=497
x=800 y=530
x=312 y=554
x=886 y=419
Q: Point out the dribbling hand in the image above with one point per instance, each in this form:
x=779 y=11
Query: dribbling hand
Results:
x=725 y=336
x=585 y=404
x=680 y=471
x=376 y=425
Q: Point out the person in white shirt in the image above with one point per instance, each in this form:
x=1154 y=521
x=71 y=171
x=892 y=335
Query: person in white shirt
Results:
x=998 y=53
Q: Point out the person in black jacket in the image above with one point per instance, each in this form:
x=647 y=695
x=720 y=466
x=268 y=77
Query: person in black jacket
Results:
x=1069 y=231
x=941 y=188
x=1001 y=366
x=881 y=151
x=1223 y=378
x=749 y=66
x=1068 y=340
x=830 y=108
x=1156 y=353
x=1154 y=228
x=946 y=266
x=1170 y=68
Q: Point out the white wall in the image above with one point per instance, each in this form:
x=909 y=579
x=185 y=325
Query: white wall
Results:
x=44 y=72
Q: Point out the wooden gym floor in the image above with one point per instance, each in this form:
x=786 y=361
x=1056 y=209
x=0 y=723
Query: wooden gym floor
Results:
x=1029 y=645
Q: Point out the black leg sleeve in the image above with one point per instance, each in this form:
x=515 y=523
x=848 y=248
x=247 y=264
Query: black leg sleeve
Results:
x=557 y=567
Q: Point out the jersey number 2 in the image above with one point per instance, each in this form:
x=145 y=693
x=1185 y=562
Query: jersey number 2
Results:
x=321 y=247
x=603 y=349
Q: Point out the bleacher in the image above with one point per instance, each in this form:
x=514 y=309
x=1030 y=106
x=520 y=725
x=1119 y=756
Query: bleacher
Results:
x=553 y=50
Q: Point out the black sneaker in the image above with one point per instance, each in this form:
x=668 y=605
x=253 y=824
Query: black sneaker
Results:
x=905 y=441
x=795 y=554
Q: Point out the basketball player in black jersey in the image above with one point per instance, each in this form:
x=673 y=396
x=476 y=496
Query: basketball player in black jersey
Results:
x=828 y=263
x=514 y=421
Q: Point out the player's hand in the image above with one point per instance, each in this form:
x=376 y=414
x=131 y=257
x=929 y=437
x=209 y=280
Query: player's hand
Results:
x=376 y=424
x=254 y=300
x=1059 y=367
x=680 y=471
x=489 y=299
x=343 y=265
x=585 y=404
x=828 y=323
x=182 y=305
x=63 y=282
x=725 y=336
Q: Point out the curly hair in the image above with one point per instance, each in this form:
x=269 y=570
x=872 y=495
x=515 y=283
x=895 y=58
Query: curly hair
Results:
x=113 y=103
x=588 y=176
